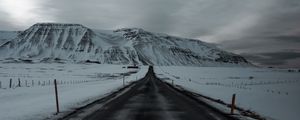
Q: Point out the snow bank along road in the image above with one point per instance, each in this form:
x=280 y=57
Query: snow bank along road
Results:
x=151 y=99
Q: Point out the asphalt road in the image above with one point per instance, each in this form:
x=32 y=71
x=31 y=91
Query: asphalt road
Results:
x=152 y=99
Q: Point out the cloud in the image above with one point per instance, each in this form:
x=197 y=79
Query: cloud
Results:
x=282 y=55
x=153 y=15
x=287 y=38
x=20 y=13
x=274 y=58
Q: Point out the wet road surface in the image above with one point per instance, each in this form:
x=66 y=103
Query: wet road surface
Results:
x=151 y=99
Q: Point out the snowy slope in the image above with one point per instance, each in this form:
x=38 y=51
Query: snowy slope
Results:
x=7 y=35
x=71 y=42
x=35 y=99
x=272 y=93
x=162 y=49
x=54 y=42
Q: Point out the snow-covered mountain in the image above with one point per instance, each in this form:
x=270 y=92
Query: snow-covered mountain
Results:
x=54 y=42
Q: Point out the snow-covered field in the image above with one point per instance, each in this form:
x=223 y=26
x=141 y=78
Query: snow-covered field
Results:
x=79 y=84
x=273 y=93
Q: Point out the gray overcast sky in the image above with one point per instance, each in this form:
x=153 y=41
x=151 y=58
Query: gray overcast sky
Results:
x=267 y=32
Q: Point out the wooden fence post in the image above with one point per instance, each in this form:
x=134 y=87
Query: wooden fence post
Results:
x=123 y=80
x=19 y=82
x=10 y=83
x=56 y=97
x=232 y=104
x=173 y=82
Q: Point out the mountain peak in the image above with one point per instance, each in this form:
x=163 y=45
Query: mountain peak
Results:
x=133 y=33
x=135 y=30
x=57 y=25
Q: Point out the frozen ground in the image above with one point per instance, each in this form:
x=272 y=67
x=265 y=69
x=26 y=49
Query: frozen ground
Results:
x=273 y=93
x=79 y=84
